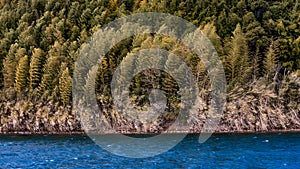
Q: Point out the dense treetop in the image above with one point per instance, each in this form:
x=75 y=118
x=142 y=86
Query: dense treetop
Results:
x=40 y=39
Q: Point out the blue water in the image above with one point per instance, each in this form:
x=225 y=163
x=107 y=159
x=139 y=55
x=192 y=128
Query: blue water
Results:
x=220 y=151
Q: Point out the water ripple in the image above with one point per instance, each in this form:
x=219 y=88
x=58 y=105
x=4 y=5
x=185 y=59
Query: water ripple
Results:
x=220 y=151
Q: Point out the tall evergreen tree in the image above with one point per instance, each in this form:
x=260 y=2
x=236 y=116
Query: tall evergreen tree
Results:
x=237 y=61
x=10 y=64
x=36 y=67
x=65 y=86
x=50 y=79
x=22 y=74
x=270 y=62
x=210 y=31
x=51 y=69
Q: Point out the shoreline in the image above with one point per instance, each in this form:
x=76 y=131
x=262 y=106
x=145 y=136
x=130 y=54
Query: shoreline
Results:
x=79 y=133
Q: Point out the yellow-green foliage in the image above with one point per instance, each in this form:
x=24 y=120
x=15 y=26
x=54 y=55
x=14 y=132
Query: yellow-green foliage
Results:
x=52 y=32
x=50 y=79
x=270 y=62
x=22 y=74
x=11 y=64
x=65 y=86
x=210 y=31
x=51 y=69
x=36 y=66
x=237 y=62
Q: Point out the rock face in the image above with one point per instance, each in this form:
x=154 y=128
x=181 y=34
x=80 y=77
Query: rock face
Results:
x=255 y=111
x=29 y=117
x=256 y=108
x=244 y=114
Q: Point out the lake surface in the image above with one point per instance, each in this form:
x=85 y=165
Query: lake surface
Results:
x=220 y=151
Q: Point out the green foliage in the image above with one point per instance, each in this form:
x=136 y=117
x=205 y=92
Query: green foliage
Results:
x=53 y=32
x=258 y=42
x=270 y=62
x=237 y=62
x=51 y=70
x=210 y=31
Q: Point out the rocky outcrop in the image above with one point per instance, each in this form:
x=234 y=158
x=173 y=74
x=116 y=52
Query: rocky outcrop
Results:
x=28 y=117
x=256 y=108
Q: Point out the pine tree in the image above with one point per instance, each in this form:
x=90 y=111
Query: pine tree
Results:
x=36 y=66
x=22 y=74
x=127 y=68
x=237 y=62
x=65 y=86
x=51 y=69
x=4 y=43
x=169 y=84
x=50 y=79
x=89 y=86
x=10 y=64
x=210 y=31
x=26 y=38
x=74 y=13
x=256 y=65
x=270 y=62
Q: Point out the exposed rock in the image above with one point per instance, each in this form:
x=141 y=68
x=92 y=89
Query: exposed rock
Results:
x=252 y=109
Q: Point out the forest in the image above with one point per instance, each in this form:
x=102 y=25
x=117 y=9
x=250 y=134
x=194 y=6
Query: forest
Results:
x=257 y=41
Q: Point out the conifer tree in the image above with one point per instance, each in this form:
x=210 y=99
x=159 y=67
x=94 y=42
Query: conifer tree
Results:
x=65 y=86
x=4 y=43
x=270 y=62
x=169 y=84
x=50 y=79
x=210 y=31
x=22 y=74
x=89 y=85
x=51 y=69
x=255 y=62
x=10 y=64
x=237 y=61
x=36 y=66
